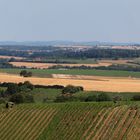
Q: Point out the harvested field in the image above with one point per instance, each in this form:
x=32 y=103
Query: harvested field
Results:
x=47 y=65
x=94 y=83
x=120 y=61
x=9 y=57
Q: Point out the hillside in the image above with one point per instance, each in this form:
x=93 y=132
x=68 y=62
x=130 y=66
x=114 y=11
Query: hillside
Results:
x=70 y=121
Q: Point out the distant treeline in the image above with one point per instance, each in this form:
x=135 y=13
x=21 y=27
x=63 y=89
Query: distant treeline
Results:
x=111 y=67
x=90 y=53
x=5 y=84
x=56 y=53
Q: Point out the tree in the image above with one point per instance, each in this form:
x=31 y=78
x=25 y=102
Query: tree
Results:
x=12 y=89
x=25 y=73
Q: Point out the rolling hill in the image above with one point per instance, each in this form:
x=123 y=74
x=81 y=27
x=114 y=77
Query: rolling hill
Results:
x=70 y=121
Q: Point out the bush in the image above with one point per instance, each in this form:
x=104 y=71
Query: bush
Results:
x=103 y=97
x=12 y=88
x=117 y=99
x=49 y=86
x=17 y=98
x=63 y=98
x=71 y=89
x=91 y=98
x=136 y=98
x=22 y=98
x=2 y=100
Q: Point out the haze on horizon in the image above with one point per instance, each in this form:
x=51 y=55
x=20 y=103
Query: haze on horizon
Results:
x=75 y=20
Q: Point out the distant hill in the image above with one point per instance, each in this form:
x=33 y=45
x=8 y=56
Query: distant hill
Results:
x=71 y=43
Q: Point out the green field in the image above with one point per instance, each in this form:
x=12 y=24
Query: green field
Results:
x=48 y=72
x=70 y=121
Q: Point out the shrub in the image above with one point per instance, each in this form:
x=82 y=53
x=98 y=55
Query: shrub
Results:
x=116 y=99
x=71 y=89
x=103 y=97
x=2 y=100
x=136 y=98
x=91 y=98
x=12 y=88
x=17 y=98
x=63 y=98
x=22 y=98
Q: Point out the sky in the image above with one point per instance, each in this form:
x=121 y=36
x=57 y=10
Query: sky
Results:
x=71 y=20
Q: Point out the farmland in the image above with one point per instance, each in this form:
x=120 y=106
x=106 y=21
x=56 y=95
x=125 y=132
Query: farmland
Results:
x=9 y=57
x=49 y=72
x=47 y=65
x=76 y=121
x=96 y=84
x=71 y=63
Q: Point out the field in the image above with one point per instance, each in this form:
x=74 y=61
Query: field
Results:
x=71 y=121
x=107 y=84
x=49 y=72
x=47 y=65
x=71 y=63
x=9 y=57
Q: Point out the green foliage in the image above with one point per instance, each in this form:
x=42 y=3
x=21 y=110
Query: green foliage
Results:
x=13 y=88
x=25 y=73
x=21 y=98
x=136 y=98
x=91 y=98
x=2 y=100
x=64 y=98
x=70 y=89
x=103 y=97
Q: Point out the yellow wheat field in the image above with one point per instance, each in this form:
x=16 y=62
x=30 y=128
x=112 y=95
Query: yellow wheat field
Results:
x=94 y=83
x=47 y=65
x=8 y=57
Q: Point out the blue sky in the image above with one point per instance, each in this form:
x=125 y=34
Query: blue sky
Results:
x=74 y=20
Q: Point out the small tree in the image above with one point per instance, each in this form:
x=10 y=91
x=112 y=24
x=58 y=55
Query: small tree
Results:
x=12 y=88
x=25 y=73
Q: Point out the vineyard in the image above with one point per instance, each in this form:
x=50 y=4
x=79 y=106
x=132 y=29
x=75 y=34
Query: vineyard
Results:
x=70 y=121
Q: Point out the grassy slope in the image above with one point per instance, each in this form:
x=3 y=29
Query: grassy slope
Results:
x=48 y=72
x=71 y=121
